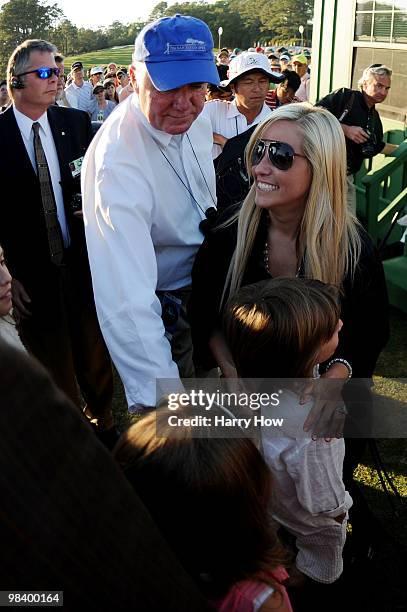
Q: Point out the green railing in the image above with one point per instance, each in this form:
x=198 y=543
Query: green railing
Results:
x=382 y=194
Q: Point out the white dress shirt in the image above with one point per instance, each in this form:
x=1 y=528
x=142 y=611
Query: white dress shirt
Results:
x=228 y=121
x=142 y=232
x=25 y=125
x=79 y=97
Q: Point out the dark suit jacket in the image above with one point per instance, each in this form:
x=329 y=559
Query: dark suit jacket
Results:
x=23 y=233
x=69 y=519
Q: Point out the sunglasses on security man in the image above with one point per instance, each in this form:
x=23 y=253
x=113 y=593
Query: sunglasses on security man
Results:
x=42 y=73
x=280 y=154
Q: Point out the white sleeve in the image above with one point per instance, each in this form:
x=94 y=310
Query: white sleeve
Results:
x=308 y=88
x=117 y=214
x=210 y=111
x=70 y=96
x=318 y=478
x=207 y=112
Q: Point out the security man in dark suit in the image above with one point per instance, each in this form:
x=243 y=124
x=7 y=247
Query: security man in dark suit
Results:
x=41 y=231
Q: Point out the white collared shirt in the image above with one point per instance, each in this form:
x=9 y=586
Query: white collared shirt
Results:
x=228 y=121
x=79 y=97
x=142 y=232
x=25 y=126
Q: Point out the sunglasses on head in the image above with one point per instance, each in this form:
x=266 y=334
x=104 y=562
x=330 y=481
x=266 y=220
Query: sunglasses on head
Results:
x=42 y=73
x=280 y=154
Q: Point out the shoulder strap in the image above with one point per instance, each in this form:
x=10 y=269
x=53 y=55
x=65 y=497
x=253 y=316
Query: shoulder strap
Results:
x=347 y=108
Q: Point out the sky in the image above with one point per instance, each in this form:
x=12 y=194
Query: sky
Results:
x=89 y=13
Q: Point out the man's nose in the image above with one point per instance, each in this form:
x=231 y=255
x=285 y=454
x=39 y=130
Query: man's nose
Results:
x=182 y=98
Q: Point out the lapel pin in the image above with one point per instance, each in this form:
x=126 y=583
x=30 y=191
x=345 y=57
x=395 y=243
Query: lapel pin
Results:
x=63 y=133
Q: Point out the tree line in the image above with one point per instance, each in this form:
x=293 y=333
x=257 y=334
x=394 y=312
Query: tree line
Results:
x=244 y=23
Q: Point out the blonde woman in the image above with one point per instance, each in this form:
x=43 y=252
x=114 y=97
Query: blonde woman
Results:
x=294 y=222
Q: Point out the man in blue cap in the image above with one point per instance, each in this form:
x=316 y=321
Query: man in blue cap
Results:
x=148 y=182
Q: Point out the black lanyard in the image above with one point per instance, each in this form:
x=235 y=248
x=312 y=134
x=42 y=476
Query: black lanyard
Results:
x=204 y=212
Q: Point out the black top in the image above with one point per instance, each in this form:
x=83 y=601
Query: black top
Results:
x=364 y=303
x=361 y=115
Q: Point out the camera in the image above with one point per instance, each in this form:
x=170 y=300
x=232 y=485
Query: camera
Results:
x=368 y=148
x=76 y=202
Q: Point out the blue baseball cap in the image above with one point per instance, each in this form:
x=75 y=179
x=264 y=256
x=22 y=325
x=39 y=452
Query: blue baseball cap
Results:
x=177 y=51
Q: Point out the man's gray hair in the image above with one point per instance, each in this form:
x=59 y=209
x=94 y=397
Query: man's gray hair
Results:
x=373 y=71
x=20 y=58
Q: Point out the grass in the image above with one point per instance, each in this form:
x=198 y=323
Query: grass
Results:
x=392 y=365
x=119 y=55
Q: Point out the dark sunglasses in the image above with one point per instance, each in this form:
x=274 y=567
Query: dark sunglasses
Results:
x=280 y=154
x=42 y=73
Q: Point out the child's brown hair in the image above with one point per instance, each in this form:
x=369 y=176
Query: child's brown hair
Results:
x=275 y=328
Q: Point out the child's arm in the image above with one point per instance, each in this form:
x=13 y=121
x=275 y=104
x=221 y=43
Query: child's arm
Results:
x=318 y=479
x=222 y=354
x=276 y=601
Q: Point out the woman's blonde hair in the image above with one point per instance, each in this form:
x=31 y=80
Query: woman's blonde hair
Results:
x=328 y=238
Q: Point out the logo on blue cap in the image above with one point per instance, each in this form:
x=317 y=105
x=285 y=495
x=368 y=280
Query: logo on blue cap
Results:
x=197 y=46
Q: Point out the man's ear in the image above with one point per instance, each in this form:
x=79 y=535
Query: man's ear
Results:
x=133 y=79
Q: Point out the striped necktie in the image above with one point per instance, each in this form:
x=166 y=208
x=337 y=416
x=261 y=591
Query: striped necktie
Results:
x=55 y=240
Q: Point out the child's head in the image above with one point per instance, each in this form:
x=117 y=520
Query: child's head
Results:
x=281 y=328
x=208 y=497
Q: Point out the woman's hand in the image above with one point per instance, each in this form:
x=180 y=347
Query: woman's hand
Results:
x=327 y=416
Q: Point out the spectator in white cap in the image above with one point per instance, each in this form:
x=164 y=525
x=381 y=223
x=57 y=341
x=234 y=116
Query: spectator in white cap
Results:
x=249 y=77
x=285 y=61
x=96 y=74
x=148 y=182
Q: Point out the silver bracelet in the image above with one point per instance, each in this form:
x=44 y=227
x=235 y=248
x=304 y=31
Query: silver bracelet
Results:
x=340 y=360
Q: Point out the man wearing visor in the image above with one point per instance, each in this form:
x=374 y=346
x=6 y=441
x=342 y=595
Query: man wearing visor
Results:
x=148 y=182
